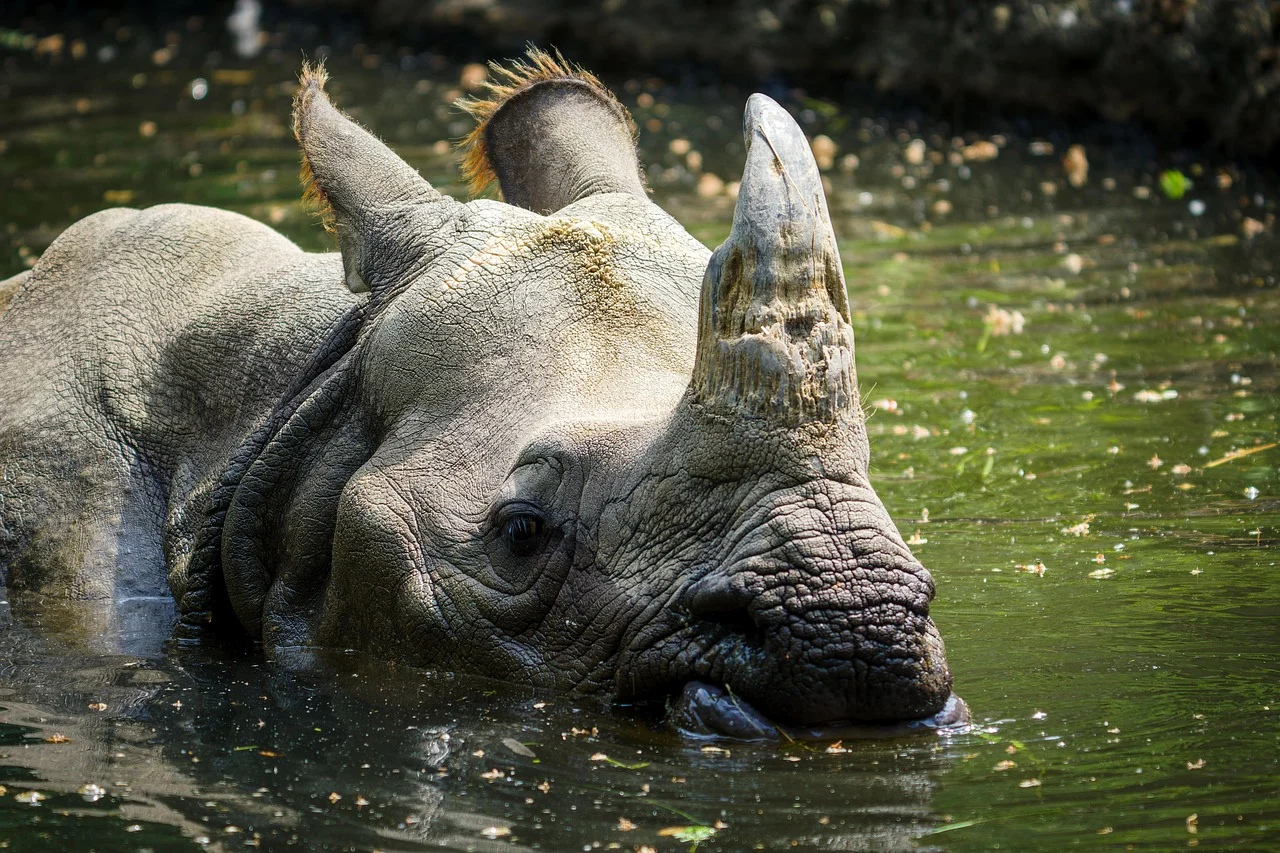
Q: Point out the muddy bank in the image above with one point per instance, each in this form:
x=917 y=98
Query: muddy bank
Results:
x=1202 y=70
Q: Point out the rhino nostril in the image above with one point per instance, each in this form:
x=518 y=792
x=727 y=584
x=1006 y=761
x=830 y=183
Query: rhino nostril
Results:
x=736 y=621
x=721 y=601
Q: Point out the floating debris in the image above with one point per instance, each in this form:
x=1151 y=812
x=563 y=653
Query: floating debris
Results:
x=1081 y=529
x=1240 y=454
x=518 y=748
x=1099 y=574
x=709 y=185
x=824 y=151
x=1076 y=164
x=1001 y=322
x=1145 y=396
x=980 y=152
x=473 y=76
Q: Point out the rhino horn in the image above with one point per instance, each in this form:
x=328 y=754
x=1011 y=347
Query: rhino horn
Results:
x=375 y=202
x=774 y=339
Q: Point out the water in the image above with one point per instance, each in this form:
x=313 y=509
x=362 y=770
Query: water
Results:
x=1106 y=562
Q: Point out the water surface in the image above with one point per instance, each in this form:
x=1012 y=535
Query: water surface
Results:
x=1073 y=396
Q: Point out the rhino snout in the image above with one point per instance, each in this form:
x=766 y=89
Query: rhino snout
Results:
x=808 y=648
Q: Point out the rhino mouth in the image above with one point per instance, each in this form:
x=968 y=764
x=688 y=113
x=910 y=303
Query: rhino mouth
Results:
x=705 y=711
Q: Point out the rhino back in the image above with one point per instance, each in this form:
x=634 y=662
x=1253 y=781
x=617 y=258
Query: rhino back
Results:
x=138 y=354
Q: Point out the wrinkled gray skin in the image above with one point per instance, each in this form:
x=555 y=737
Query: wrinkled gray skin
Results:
x=483 y=438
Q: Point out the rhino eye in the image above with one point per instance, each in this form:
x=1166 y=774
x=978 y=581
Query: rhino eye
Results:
x=523 y=532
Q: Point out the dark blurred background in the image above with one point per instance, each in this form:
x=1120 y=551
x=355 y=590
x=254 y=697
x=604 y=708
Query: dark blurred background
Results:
x=1196 y=72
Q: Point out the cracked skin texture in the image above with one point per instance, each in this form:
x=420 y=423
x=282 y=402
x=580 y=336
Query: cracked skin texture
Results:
x=470 y=440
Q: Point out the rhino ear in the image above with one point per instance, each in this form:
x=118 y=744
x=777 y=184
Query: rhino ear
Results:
x=551 y=134
x=386 y=217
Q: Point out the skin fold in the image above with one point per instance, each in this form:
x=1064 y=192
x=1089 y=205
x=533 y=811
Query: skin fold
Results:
x=551 y=440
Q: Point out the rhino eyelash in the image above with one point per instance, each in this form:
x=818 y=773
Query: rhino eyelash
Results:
x=522 y=527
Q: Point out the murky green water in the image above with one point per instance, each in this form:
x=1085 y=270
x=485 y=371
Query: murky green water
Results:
x=1075 y=407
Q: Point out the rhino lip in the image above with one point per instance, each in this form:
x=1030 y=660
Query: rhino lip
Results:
x=703 y=711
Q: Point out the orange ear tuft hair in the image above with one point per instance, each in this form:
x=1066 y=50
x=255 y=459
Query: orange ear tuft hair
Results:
x=507 y=82
x=311 y=82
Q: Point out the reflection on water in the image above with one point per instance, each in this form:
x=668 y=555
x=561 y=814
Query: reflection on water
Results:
x=1074 y=402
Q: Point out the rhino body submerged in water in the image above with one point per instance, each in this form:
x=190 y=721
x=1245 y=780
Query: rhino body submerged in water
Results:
x=550 y=440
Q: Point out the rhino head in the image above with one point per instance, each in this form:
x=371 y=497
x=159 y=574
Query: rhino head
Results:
x=567 y=448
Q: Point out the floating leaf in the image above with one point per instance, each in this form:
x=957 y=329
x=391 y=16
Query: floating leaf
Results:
x=518 y=748
x=1174 y=184
x=688 y=834
x=638 y=765
x=960 y=824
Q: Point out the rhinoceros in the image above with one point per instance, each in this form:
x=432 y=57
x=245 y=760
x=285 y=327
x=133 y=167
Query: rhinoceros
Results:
x=550 y=439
